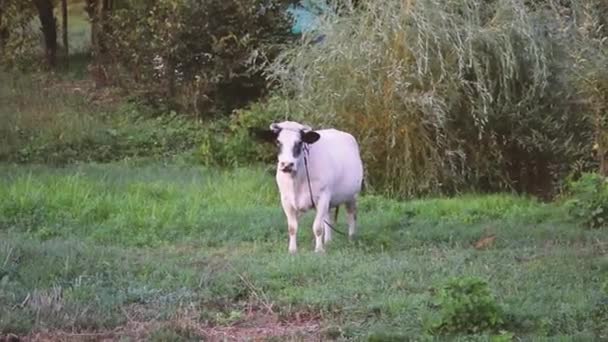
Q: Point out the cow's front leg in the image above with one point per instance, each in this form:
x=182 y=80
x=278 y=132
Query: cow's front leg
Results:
x=319 y=224
x=292 y=227
x=292 y=216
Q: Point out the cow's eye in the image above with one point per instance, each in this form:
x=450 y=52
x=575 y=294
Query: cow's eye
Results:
x=297 y=149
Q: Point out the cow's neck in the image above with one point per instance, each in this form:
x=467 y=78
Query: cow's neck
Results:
x=298 y=188
x=301 y=190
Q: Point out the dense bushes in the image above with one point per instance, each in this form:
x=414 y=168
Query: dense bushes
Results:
x=447 y=95
x=587 y=200
x=18 y=40
x=199 y=56
x=228 y=141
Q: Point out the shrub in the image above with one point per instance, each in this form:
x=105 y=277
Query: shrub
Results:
x=599 y=314
x=599 y=318
x=228 y=142
x=444 y=95
x=588 y=200
x=467 y=306
x=198 y=56
x=18 y=39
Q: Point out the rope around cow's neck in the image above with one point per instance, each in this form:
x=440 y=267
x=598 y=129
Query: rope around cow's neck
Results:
x=306 y=152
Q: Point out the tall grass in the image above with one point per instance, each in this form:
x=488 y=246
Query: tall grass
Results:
x=58 y=120
x=443 y=95
x=589 y=48
x=32 y=103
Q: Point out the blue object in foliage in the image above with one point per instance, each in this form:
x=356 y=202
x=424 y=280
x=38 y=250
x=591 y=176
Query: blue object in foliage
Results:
x=306 y=15
x=304 y=20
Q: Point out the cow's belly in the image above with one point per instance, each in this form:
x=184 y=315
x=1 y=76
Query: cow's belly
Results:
x=298 y=195
x=346 y=188
x=339 y=198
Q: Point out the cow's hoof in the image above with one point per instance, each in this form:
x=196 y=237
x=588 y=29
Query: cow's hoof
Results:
x=320 y=250
x=293 y=251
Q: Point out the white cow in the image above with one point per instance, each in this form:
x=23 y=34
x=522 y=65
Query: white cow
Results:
x=335 y=171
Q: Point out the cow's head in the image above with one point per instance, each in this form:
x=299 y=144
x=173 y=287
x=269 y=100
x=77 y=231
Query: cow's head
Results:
x=290 y=138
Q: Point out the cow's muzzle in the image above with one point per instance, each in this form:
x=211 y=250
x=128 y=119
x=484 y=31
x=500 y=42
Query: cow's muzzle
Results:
x=287 y=167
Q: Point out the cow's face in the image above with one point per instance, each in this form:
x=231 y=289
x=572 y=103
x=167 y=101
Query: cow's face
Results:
x=290 y=143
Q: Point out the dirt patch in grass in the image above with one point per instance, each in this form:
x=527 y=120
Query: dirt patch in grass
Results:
x=254 y=325
x=258 y=326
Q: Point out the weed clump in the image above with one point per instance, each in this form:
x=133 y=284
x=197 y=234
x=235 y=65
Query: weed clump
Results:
x=588 y=200
x=467 y=306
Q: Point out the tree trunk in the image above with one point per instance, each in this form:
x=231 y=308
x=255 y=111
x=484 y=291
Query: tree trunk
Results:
x=49 y=29
x=3 y=30
x=98 y=10
x=64 y=17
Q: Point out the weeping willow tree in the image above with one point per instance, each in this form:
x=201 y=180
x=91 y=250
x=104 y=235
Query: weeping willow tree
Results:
x=443 y=95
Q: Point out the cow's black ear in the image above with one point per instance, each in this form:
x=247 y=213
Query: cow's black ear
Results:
x=265 y=135
x=310 y=137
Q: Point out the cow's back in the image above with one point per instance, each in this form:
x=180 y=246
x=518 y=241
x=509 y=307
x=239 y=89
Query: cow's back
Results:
x=336 y=163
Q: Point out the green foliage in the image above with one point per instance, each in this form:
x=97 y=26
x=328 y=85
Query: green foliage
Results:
x=201 y=56
x=228 y=142
x=46 y=122
x=588 y=41
x=588 y=200
x=467 y=306
x=120 y=135
x=19 y=46
x=445 y=95
x=599 y=316
x=599 y=313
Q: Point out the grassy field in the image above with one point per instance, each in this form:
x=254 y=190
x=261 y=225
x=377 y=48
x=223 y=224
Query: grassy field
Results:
x=181 y=252
x=128 y=240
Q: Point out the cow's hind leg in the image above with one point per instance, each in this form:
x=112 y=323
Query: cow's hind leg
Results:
x=329 y=221
x=351 y=217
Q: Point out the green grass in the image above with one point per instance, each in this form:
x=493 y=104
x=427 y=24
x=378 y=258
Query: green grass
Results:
x=59 y=120
x=180 y=249
x=79 y=27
